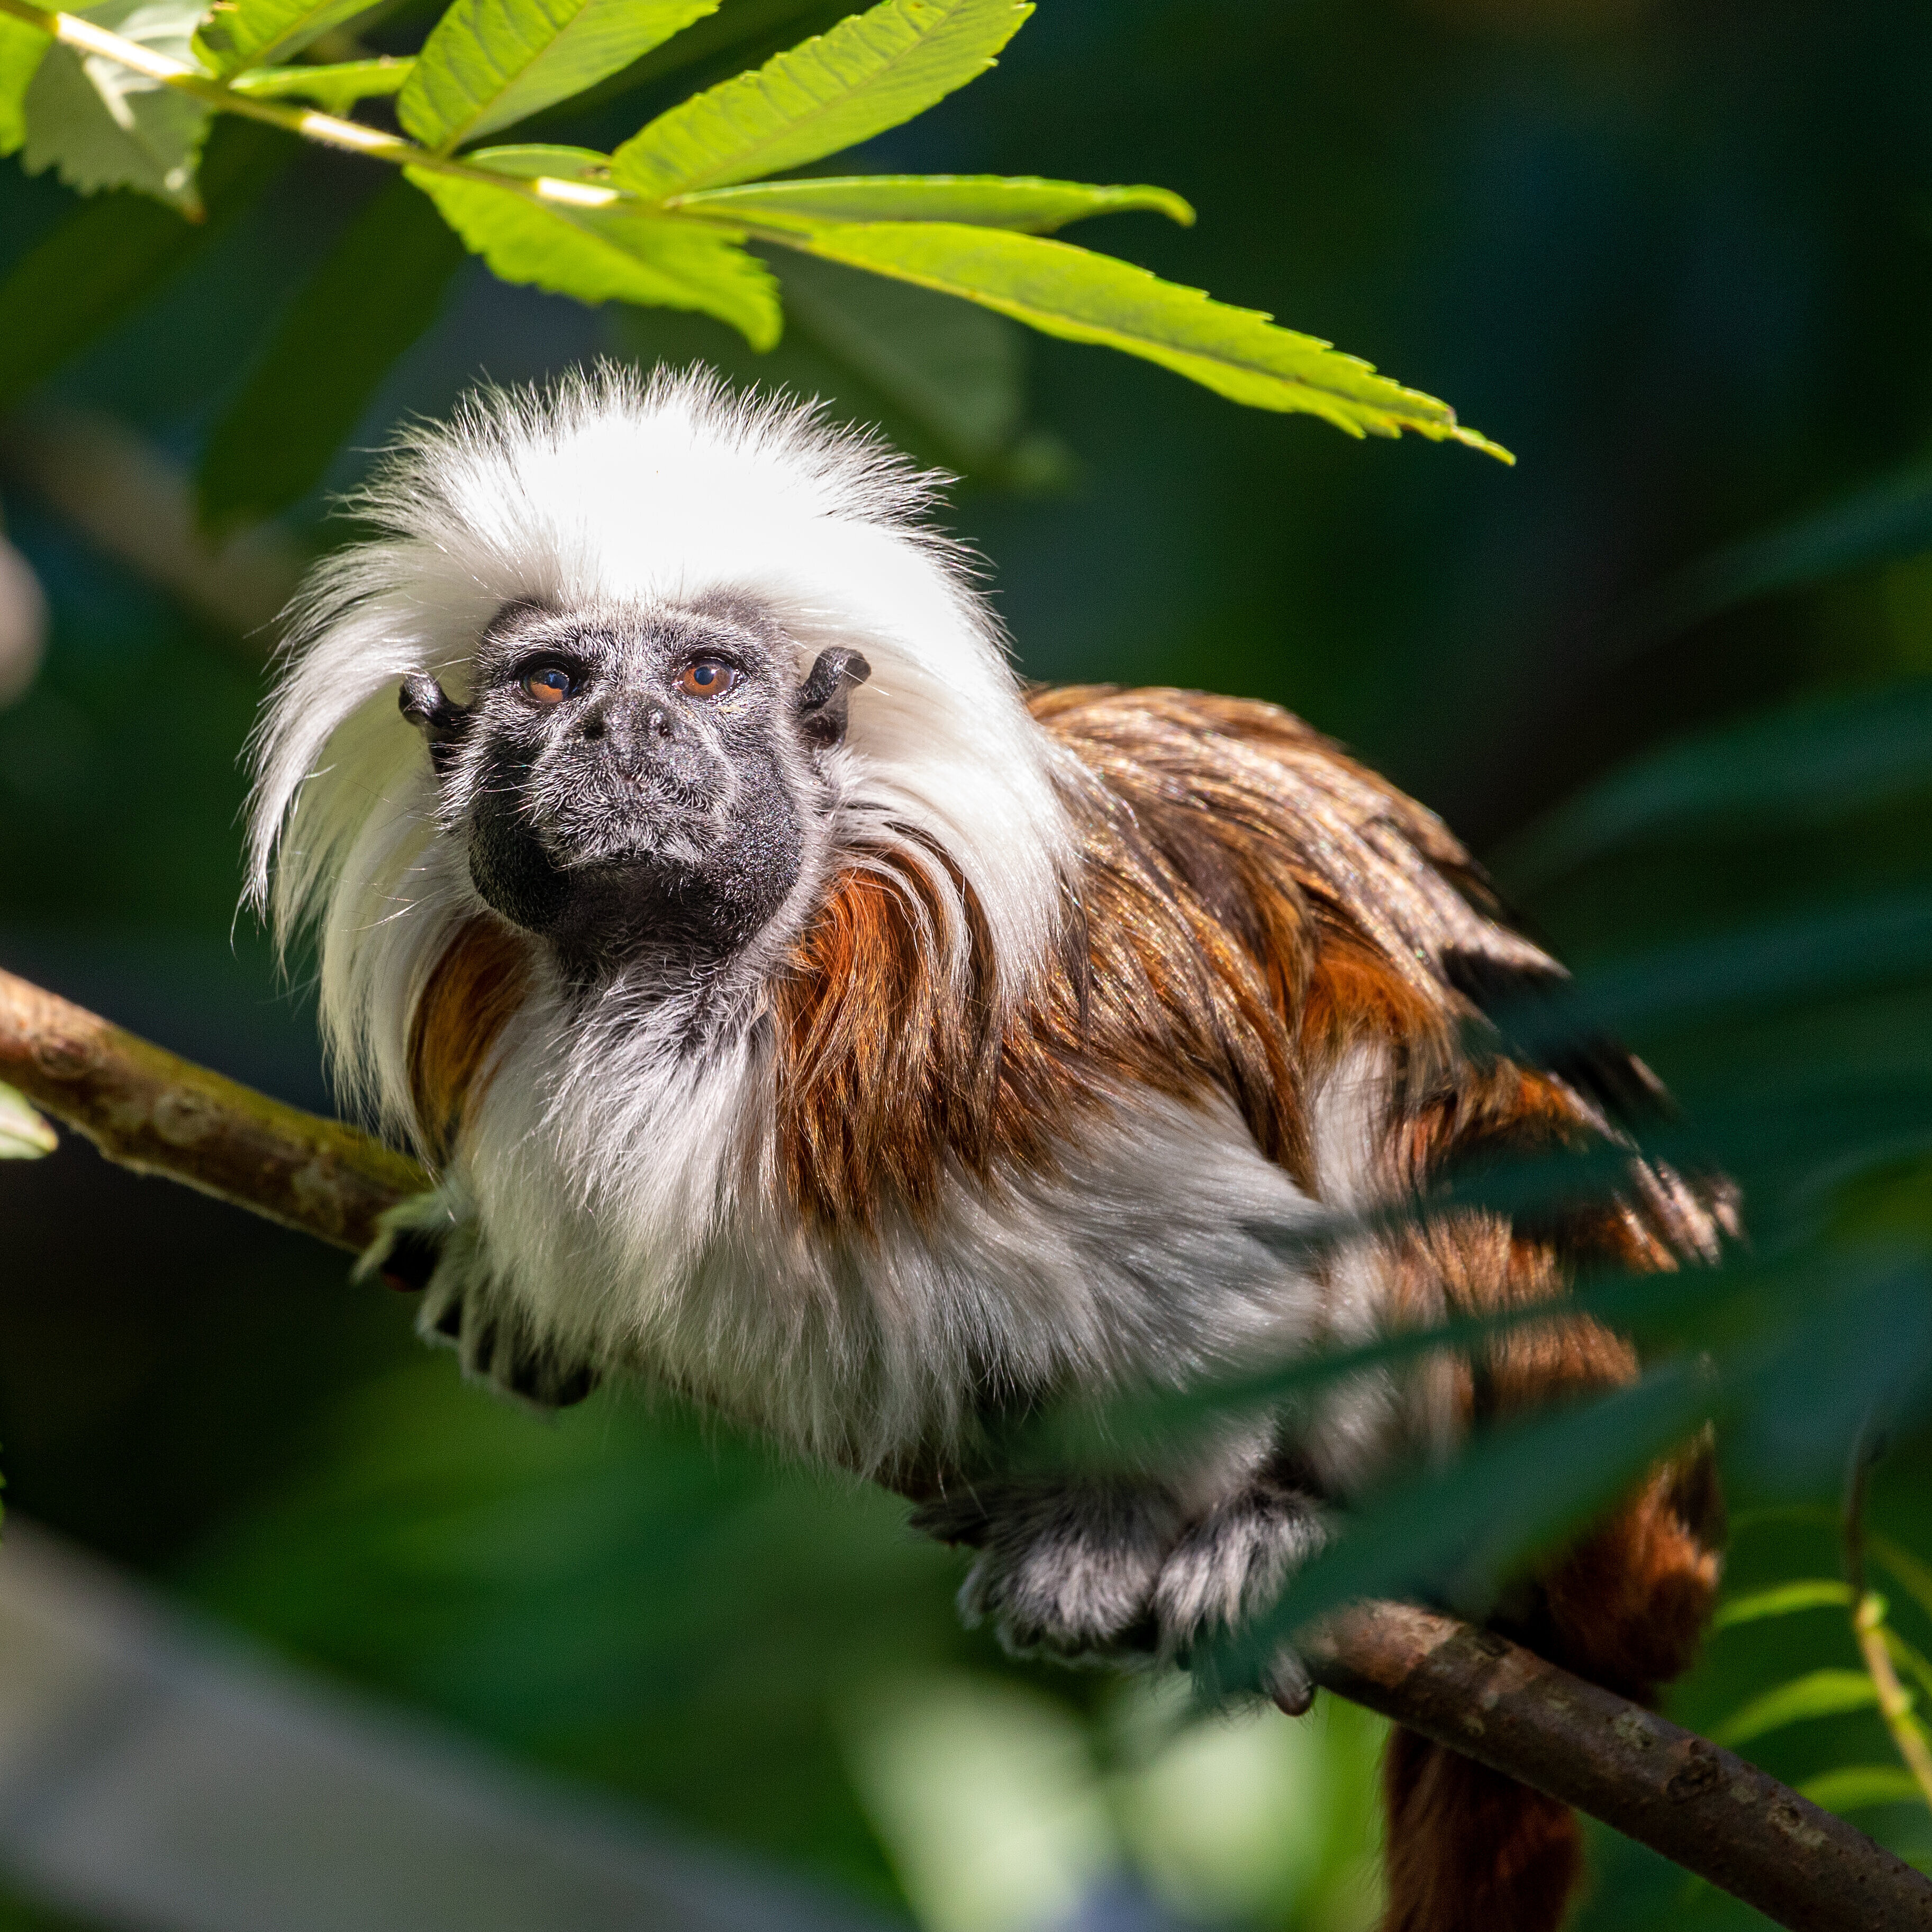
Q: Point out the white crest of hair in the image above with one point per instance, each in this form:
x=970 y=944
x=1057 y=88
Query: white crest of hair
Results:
x=610 y=491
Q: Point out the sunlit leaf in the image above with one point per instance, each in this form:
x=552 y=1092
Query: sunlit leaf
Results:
x=1783 y=1600
x=335 y=89
x=113 y=251
x=739 y=36
x=603 y=254
x=98 y=124
x=25 y=1135
x=1806 y=763
x=488 y=63
x=1820 y=1694
x=239 y=33
x=372 y=295
x=1857 y=1787
x=1066 y=291
x=989 y=201
x=868 y=73
x=21 y=48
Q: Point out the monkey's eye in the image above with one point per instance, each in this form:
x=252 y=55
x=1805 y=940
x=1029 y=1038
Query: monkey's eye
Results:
x=709 y=677
x=550 y=684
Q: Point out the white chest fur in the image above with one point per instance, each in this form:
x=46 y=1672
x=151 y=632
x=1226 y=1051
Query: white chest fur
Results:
x=627 y=1197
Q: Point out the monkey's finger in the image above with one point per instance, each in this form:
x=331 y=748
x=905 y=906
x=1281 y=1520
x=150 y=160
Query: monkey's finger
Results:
x=1286 y=1681
x=409 y=1262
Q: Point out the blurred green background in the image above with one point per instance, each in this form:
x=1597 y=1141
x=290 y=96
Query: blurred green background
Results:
x=1676 y=254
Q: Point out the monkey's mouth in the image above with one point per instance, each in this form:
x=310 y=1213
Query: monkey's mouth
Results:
x=606 y=878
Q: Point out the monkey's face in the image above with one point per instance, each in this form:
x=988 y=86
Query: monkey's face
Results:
x=650 y=780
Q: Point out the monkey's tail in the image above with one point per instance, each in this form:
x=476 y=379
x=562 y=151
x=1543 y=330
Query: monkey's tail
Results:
x=1470 y=1850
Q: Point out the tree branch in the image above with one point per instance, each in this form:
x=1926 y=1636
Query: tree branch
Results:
x=150 y=1110
x=1701 y=1806
x=1667 y=1788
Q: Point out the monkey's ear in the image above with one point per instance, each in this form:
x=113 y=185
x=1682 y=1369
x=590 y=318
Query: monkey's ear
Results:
x=833 y=676
x=435 y=714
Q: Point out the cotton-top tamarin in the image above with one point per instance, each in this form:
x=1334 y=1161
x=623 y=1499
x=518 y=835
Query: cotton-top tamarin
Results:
x=799 y=1013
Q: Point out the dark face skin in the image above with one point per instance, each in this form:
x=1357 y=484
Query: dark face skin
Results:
x=637 y=785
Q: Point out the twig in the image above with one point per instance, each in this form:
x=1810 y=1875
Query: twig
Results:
x=331 y=131
x=1668 y=1788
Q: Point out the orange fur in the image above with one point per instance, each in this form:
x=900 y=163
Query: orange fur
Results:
x=472 y=992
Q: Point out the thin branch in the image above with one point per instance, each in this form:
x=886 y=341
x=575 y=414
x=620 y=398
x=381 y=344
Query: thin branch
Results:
x=331 y=130
x=150 y=1110
x=1669 y=1789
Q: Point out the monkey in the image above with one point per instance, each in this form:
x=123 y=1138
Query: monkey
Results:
x=798 y=1013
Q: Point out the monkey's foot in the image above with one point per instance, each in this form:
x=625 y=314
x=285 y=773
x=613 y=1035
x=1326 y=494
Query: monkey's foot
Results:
x=1099 y=1571
x=429 y=1244
x=1064 y=1570
x=1230 y=1567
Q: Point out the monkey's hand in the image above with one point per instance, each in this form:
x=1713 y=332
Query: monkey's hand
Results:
x=1114 y=1571
x=431 y=1244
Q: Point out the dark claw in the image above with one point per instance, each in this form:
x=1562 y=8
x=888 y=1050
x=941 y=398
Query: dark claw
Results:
x=569 y=1390
x=411 y=1261
x=539 y=1379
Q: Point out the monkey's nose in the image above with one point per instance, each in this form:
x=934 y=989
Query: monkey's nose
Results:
x=657 y=720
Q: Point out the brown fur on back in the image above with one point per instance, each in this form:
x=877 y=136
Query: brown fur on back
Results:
x=1252 y=906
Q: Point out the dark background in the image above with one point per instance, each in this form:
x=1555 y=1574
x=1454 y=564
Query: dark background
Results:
x=1677 y=255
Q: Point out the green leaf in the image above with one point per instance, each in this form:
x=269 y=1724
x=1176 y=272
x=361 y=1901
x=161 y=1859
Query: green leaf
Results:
x=945 y=381
x=1891 y=518
x=1801 y=764
x=1825 y=955
x=868 y=73
x=954 y=370
x=24 y=1134
x=335 y=89
x=100 y=124
x=1822 y=1694
x=377 y=290
x=1858 y=1787
x=110 y=253
x=1910 y=1570
x=488 y=63
x=1908 y=1656
x=1021 y=201
x=603 y=254
x=1455 y=1534
x=1782 y=1600
x=239 y=33
x=22 y=47
x=1066 y=291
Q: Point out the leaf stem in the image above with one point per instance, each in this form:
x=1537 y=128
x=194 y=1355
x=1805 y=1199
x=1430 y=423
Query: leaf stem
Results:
x=1868 y=1624
x=330 y=131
